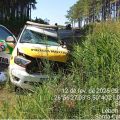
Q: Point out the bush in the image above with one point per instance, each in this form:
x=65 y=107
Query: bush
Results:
x=98 y=64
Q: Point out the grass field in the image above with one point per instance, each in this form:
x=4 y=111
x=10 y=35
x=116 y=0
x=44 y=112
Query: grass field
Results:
x=91 y=85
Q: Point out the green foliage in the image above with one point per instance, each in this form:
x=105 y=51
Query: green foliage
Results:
x=99 y=57
x=14 y=13
x=90 y=11
x=95 y=64
x=39 y=20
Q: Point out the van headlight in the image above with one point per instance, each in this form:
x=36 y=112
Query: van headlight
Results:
x=21 y=61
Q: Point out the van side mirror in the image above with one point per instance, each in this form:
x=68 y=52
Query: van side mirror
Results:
x=10 y=39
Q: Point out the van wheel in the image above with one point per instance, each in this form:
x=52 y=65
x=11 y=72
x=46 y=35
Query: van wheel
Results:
x=18 y=90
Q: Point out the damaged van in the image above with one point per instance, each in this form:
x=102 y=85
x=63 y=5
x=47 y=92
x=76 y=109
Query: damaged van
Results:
x=36 y=44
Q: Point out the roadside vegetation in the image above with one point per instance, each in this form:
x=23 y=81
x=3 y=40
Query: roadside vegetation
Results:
x=15 y=13
x=94 y=64
x=89 y=11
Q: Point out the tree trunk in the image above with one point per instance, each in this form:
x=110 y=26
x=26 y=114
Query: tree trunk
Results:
x=79 y=24
x=104 y=10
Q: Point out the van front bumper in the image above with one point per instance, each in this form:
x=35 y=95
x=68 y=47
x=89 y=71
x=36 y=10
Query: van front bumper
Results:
x=19 y=77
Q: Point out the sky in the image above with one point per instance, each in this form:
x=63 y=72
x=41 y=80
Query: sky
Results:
x=53 y=10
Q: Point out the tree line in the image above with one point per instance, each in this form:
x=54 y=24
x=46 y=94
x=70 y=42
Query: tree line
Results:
x=90 y=11
x=14 y=13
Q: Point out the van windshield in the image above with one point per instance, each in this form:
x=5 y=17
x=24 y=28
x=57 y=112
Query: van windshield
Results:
x=33 y=37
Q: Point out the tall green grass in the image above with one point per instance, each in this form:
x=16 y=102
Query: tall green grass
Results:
x=98 y=65
x=95 y=63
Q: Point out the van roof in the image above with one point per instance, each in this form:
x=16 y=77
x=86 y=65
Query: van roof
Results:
x=41 y=25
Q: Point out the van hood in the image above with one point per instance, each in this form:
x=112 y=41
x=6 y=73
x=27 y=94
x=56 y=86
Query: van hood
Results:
x=54 y=53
